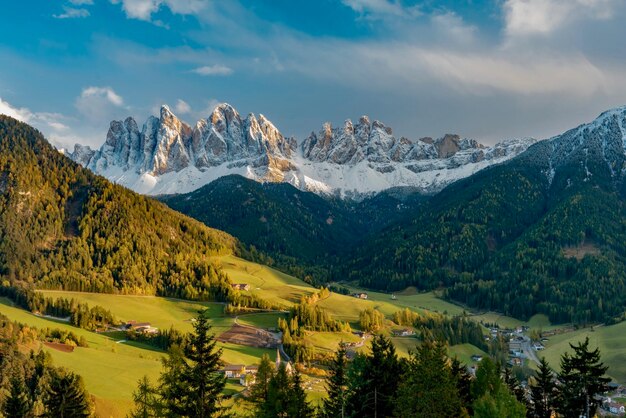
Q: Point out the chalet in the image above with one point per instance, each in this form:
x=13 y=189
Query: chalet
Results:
x=477 y=357
x=403 y=332
x=234 y=370
x=240 y=286
x=515 y=361
x=134 y=325
x=538 y=347
x=360 y=295
x=616 y=408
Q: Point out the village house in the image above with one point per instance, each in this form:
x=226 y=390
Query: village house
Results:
x=360 y=295
x=241 y=286
x=616 y=408
x=236 y=371
x=403 y=332
x=515 y=361
x=538 y=347
x=477 y=357
x=140 y=327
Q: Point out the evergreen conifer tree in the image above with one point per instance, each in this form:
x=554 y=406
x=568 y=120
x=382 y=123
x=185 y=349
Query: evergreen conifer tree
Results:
x=203 y=381
x=582 y=377
x=17 y=404
x=147 y=403
x=66 y=396
x=543 y=391
x=337 y=387
x=429 y=388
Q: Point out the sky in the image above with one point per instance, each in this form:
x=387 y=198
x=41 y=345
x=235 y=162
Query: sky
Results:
x=485 y=69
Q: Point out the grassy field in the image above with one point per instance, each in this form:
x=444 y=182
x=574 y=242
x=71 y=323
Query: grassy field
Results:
x=611 y=340
x=111 y=369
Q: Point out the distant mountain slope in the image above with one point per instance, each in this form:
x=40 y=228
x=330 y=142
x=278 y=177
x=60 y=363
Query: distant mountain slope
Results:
x=545 y=232
x=63 y=227
x=168 y=156
x=295 y=228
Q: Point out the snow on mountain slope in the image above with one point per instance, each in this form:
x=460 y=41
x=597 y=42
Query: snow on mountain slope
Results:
x=169 y=156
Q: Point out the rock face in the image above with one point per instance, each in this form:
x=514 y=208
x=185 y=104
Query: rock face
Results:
x=169 y=156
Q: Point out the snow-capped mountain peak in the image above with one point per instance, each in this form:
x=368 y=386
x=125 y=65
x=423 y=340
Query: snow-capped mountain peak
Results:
x=169 y=156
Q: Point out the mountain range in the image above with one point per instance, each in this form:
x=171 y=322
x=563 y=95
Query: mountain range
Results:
x=168 y=156
x=542 y=232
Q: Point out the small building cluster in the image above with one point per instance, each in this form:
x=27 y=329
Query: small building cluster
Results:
x=360 y=295
x=140 y=327
x=240 y=286
x=245 y=374
x=406 y=332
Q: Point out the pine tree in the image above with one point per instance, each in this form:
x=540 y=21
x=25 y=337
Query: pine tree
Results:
x=66 y=397
x=543 y=391
x=277 y=403
x=429 y=388
x=337 y=386
x=298 y=405
x=17 y=404
x=492 y=398
x=172 y=387
x=204 y=383
x=374 y=380
x=147 y=403
x=513 y=384
x=259 y=391
x=582 y=378
x=463 y=382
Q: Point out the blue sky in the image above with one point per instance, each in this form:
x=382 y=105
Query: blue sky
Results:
x=486 y=69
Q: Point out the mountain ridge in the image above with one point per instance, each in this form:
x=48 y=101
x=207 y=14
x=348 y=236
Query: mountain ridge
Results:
x=169 y=156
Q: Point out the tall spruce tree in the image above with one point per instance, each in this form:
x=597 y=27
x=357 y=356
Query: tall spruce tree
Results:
x=298 y=407
x=277 y=403
x=260 y=388
x=543 y=391
x=172 y=386
x=146 y=400
x=514 y=386
x=492 y=398
x=463 y=382
x=334 y=406
x=582 y=377
x=374 y=380
x=66 y=396
x=429 y=388
x=17 y=404
x=204 y=383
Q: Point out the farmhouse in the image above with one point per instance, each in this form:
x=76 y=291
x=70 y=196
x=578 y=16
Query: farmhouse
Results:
x=403 y=332
x=237 y=371
x=616 y=408
x=360 y=295
x=477 y=357
x=241 y=286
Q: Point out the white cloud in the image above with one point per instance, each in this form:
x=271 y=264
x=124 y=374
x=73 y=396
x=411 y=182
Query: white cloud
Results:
x=216 y=69
x=528 y=17
x=182 y=107
x=72 y=13
x=378 y=8
x=99 y=104
x=53 y=125
x=144 y=9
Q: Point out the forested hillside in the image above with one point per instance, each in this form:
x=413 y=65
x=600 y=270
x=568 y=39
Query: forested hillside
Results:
x=63 y=227
x=525 y=237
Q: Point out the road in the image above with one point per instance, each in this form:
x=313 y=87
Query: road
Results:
x=528 y=350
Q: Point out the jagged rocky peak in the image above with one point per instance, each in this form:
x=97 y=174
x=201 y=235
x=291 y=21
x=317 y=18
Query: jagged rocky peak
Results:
x=167 y=144
x=375 y=142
